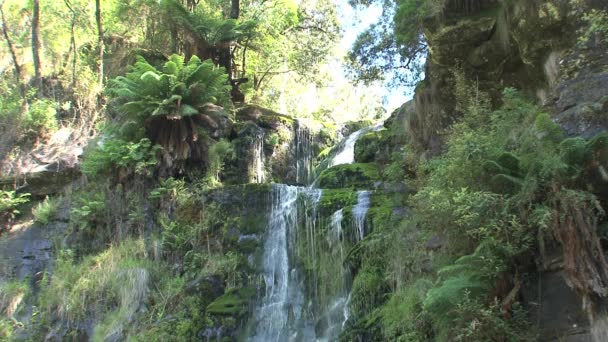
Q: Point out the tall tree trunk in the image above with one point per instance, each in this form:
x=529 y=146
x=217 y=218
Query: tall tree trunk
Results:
x=36 y=45
x=11 y=48
x=100 y=40
x=235 y=9
x=72 y=42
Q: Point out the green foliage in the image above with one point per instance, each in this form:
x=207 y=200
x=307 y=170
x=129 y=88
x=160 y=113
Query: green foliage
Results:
x=403 y=318
x=357 y=175
x=89 y=211
x=46 y=210
x=219 y=154
x=13 y=295
x=178 y=89
x=41 y=118
x=478 y=321
x=9 y=202
x=488 y=195
x=114 y=153
x=470 y=275
x=111 y=285
x=596 y=27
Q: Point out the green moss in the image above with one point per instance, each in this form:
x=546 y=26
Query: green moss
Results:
x=233 y=303
x=275 y=120
x=368 y=288
x=358 y=175
x=353 y=126
x=335 y=199
x=369 y=145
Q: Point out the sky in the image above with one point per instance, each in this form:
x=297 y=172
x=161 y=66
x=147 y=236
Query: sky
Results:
x=355 y=21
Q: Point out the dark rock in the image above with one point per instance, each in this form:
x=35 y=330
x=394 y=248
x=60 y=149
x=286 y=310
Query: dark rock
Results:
x=44 y=180
x=209 y=286
x=555 y=306
x=400 y=213
x=434 y=243
x=216 y=120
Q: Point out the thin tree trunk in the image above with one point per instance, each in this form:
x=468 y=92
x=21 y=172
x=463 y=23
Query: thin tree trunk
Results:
x=235 y=9
x=36 y=45
x=11 y=48
x=72 y=42
x=100 y=40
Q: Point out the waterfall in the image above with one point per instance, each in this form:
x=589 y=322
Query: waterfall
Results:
x=298 y=241
x=346 y=154
x=336 y=314
x=257 y=173
x=360 y=210
x=304 y=153
x=281 y=315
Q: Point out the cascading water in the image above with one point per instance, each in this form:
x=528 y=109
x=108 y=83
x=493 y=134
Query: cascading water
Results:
x=293 y=309
x=336 y=314
x=256 y=164
x=360 y=211
x=346 y=154
x=304 y=153
x=281 y=315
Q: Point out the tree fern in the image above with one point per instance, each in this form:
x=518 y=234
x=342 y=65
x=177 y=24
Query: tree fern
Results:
x=176 y=90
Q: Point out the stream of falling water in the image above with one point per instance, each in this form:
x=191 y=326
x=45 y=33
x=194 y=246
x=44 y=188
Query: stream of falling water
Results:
x=281 y=314
x=256 y=168
x=285 y=313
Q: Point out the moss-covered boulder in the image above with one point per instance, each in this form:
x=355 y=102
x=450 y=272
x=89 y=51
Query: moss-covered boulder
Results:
x=335 y=199
x=371 y=146
x=235 y=302
x=239 y=209
x=357 y=175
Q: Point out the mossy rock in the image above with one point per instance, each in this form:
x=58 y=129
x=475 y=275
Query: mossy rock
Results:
x=357 y=175
x=572 y=151
x=275 y=121
x=368 y=290
x=335 y=199
x=505 y=184
x=369 y=145
x=353 y=126
x=235 y=302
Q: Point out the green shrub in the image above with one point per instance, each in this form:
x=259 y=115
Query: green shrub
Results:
x=9 y=202
x=41 y=118
x=89 y=211
x=45 y=211
x=220 y=153
x=110 y=286
x=596 y=26
x=12 y=295
x=402 y=316
x=113 y=153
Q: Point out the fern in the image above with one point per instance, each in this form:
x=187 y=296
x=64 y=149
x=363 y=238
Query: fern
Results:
x=178 y=89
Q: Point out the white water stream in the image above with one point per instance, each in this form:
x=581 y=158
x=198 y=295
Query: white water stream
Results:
x=284 y=313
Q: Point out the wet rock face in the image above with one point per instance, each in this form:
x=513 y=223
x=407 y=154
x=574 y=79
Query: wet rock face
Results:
x=274 y=147
x=555 y=307
x=25 y=251
x=493 y=45
x=580 y=97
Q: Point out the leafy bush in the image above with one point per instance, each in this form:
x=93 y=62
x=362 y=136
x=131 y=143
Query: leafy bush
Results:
x=45 y=211
x=89 y=211
x=219 y=153
x=490 y=194
x=9 y=202
x=113 y=153
x=41 y=118
x=596 y=26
